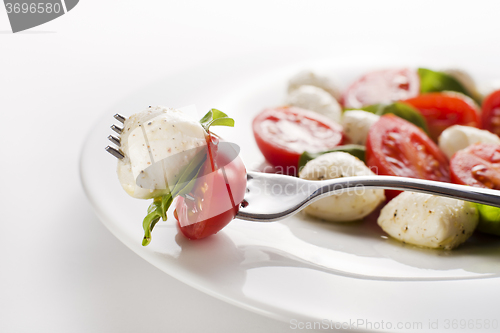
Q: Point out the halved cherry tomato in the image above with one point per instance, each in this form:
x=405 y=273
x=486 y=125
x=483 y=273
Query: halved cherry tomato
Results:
x=284 y=133
x=383 y=86
x=396 y=147
x=491 y=112
x=442 y=110
x=217 y=193
x=477 y=165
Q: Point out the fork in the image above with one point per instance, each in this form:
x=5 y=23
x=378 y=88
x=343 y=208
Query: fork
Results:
x=116 y=140
x=273 y=197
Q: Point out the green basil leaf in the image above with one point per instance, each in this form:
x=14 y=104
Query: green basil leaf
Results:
x=158 y=209
x=148 y=224
x=433 y=81
x=400 y=109
x=216 y=117
x=375 y=108
x=166 y=201
x=489 y=219
x=355 y=150
x=207 y=117
x=190 y=172
x=407 y=112
x=216 y=114
x=222 y=122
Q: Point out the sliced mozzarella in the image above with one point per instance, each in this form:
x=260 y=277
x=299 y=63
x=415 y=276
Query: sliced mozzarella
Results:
x=347 y=206
x=315 y=99
x=158 y=143
x=428 y=220
x=310 y=79
x=459 y=137
x=356 y=125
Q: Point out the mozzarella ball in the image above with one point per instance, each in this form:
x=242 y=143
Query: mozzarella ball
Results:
x=350 y=205
x=315 y=99
x=458 y=137
x=428 y=220
x=356 y=125
x=310 y=79
x=157 y=143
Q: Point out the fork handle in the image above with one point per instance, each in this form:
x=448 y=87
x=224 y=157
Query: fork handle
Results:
x=463 y=192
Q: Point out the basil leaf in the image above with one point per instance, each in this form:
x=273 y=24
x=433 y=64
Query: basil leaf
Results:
x=375 y=108
x=190 y=172
x=400 y=109
x=355 y=150
x=216 y=117
x=489 y=219
x=433 y=81
x=148 y=224
x=166 y=201
x=407 y=112
x=158 y=209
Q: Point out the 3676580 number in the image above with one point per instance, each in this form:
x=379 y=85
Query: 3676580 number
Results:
x=40 y=7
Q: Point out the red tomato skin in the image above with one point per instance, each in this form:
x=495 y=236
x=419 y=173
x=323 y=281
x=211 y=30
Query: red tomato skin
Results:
x=464 y=163
x=279 y=154
x=206 y=228
x=410 y=162
x=491 y=112
x=220 y=201
x=390 y=85
x=442 y=110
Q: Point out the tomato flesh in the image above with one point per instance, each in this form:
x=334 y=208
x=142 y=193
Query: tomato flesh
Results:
x=442 y=110
x=478 y=165
x=491 y=112
x=284 y=133
x=216 y=195
x=383 y=86
x=396 y=147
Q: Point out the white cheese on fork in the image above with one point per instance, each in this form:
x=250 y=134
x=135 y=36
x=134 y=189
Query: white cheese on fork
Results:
x=158 y=143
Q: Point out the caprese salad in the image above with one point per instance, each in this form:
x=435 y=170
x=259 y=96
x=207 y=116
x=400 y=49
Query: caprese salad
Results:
x=177 y=161
x=406 y=122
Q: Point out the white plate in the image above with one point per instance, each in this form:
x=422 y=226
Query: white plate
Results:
x=299 y=269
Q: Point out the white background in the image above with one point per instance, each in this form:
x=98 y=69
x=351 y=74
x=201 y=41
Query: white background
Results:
x=61 y=270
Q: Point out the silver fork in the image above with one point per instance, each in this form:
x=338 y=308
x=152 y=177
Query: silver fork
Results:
x=116 y=140
x=273 y=197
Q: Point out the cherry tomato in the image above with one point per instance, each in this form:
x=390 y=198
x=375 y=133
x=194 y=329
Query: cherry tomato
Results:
x=442 y=110
x=383 y=86
x=477 y=165
x=491 y=112
x=284 y=133
x=396 y=147
x=216 y=195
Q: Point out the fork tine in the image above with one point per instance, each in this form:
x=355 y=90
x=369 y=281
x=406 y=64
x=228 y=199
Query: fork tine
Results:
x=115 y=140
x=115 y=152
x=117 y=129
x=120 y=118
